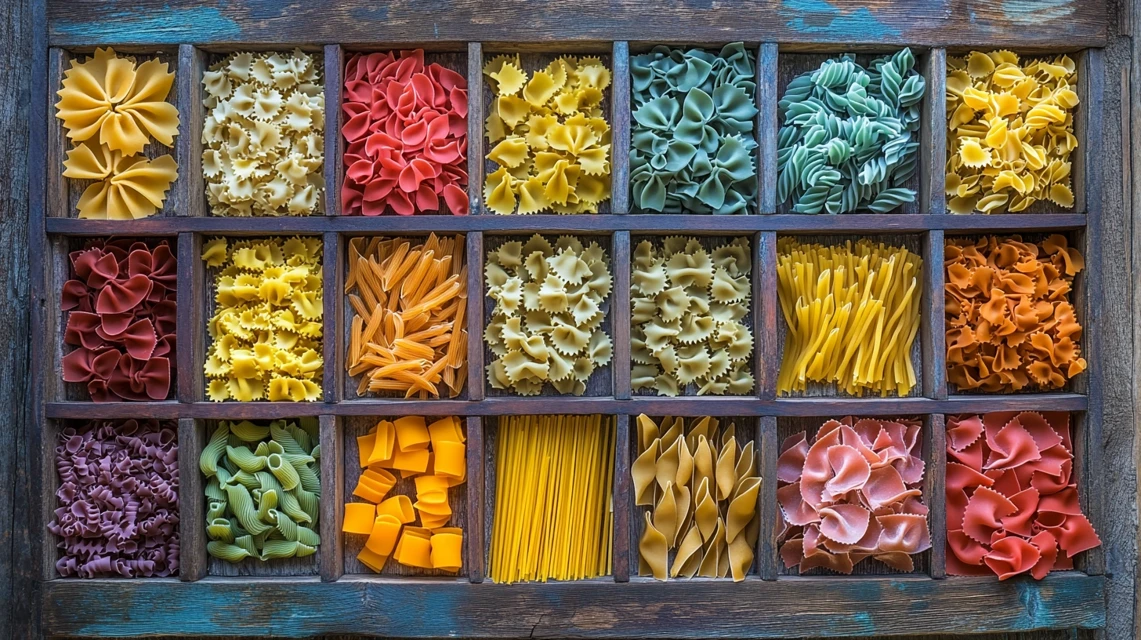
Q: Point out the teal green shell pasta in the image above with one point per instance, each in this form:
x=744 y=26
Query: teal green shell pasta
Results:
x=847 y=140
x=693 y=147
x=262 y=483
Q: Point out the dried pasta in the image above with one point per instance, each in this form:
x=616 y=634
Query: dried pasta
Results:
x=111 y=107
x=853 y=492
x=553 y=481
x=547 y=132
x=263 y=490
x=550 y=301
x=693 y=118
x=264 y=135
x=391 y=522
x=406 y=129
x=1010 y=323
x=407 y=333
x=852 y=314
x=688 y=311
x=701 y=486
x=847 y=137
x=1010 y=132
x=266 y=329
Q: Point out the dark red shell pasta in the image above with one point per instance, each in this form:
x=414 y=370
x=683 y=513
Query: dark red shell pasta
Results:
x=406 y=131
x=120 y=316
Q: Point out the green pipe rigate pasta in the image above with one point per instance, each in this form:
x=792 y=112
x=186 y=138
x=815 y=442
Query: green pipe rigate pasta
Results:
x=847 y=139
x=262 y=481
x=693 y=120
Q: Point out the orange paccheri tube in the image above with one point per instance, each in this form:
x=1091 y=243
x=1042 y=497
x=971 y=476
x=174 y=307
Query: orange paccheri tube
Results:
x=408 y=334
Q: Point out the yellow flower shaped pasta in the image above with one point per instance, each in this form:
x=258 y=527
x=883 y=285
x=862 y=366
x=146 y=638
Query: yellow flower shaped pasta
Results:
x=548 y=134
x=1010 y=132
x=266 y=330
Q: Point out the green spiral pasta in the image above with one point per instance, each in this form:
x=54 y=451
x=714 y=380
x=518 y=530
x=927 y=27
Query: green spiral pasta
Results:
x=848 y=135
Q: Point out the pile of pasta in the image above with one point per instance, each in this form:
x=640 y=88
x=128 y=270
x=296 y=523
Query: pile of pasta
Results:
x=264 y=136
x=121 y=311
x=553 y=481
x=550 y=301
x=1012 y=498
x=111 y=107
x=703 y=488
x=118 y=508
x=1010 y=132
x=266 y=329
x=854 y=492
x=435 y=456
x=263 y=489
x=847 y=137
x=549 y=136
x=1010 y=324
x=688 y=312
x=406 y=128
x=407 y=334
x=852 y=313
x=693 y=143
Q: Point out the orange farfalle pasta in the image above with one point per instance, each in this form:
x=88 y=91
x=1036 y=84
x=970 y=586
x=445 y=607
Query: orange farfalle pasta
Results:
x=407 y=335
x=434 y=456
x=1010 y=323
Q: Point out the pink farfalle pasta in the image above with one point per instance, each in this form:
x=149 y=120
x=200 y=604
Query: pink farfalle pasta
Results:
x=406 y=130
x=852 y=492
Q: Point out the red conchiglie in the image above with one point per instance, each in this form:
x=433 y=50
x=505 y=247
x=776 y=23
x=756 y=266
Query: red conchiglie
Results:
x=406 y=129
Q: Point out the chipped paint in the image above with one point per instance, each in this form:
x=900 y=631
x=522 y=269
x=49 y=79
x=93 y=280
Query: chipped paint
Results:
x=1034 y=12
x=165 y=26
x=817 y=17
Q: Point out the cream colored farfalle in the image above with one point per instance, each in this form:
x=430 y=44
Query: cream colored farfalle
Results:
x=266 y=330
x=125 y=187
x=263 y=137
x=687 y=308
x=546 y=325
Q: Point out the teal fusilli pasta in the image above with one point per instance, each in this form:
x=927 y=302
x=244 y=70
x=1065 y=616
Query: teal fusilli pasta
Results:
x=262 y=490
x=693 y=121
x=847 y=140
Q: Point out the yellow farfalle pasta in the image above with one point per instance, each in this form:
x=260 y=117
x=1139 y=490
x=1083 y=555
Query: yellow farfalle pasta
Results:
x=263 y=139
x=547 y=322
x=1010 y=132
x=688 y=311
x=852 y=313
x=111 y=107
x=549 y=136
x=266 y=330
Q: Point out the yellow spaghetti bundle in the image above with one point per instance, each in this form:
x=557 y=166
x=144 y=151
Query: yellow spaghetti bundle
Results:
x=553 y=510
x=852 y=313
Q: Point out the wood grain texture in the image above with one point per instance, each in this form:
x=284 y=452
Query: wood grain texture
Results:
x=625 y=538
x=191 y=502
x=768 y=556
x=189 y=322
x=620 y=111
x=332 y=474
x=55 y=147
x=473 y=535
x=768 y=342
x=767 y=126
x=621 y=335
x=334 y=119
x=333 y=303
x=932 y=309
x=935 y=491
x=190 y=188
x=933 y=134
x=475 y=117
x=475 y=301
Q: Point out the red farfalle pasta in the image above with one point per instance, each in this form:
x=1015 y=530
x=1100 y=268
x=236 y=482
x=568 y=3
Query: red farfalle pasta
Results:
x=852 y=492
x=406 y=129
x=120 y=317
x=1012 y=500
x=118 y=499
x=1010 y=324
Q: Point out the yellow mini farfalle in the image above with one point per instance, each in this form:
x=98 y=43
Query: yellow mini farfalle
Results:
x=549 y=137
x=1010 y=132
x=266 y=330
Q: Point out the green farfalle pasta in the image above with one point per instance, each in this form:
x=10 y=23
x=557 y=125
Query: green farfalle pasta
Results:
x=847 y=140
x=262 y=493
x=693 y=118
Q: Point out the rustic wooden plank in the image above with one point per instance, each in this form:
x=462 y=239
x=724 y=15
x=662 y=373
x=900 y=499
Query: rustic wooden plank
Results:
x=932 y=329
x=191 y=502
x=475 y=296
x=621 y=310
x=189 y=322
x=765 y=334
x=1089 y=128
x=599 y=609
x=474 y=545
x=768 y=557
x=625 y=553
x=57 y=268
x=933 y=134
x=47 y=487
x=55 y=149
x=333 y=300
x=189 y=190
x=767 y=90
x=332 y=472
x=475 y=139
x=1072 y=23
x=334 y=142
x=935 y=491
x=620 y=115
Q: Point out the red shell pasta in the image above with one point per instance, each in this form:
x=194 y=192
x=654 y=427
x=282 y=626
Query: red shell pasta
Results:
x=118 y=499
x=1012 y=500
x=851 y=493
x=406 y=129
x=120 y=308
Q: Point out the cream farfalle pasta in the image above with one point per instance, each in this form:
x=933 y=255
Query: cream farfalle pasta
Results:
x=550 y=301
x=264 y=134
x=688 y=309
